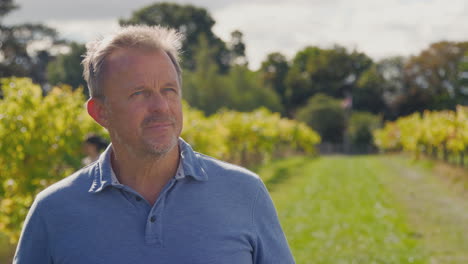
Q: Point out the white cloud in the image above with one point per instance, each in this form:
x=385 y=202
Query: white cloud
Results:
x=83 y=30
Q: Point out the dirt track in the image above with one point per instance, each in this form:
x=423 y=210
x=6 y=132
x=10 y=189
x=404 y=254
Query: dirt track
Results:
x=436 y=206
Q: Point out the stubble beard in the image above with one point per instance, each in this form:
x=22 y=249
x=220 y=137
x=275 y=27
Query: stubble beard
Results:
x=156 y=150
x=148 y=148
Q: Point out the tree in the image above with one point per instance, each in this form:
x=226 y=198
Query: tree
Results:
x=361 y=127
x=368 y=92
x=67 y=68
x=412 y=100
x=204 y=88
x=463 y=77
x=15 y=41
x=273 y=72
x=6 y=6
x=330 y=71
x=325 y=115
x=240 y=89
x=248 y=93
x=14 y=50
x=237 y=49
x=192 y=21
x=435 y=72
x=392 y=71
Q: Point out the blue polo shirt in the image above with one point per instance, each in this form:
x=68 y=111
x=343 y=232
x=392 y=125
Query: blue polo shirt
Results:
x=209 y=212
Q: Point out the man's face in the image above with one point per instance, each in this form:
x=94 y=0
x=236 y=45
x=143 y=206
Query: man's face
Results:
x=143 y=110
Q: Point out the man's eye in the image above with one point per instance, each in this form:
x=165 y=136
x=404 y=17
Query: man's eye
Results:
x=137 y=93
x=170 y=89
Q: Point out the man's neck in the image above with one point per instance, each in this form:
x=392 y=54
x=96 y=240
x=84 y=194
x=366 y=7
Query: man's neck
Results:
x=147 y=176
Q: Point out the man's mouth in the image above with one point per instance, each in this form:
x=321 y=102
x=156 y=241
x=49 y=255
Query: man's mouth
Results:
x=158 y=122
x=159 y=125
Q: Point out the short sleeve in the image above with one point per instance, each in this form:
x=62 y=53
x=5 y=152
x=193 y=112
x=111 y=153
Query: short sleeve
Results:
x=271 y=245
x=33 y=246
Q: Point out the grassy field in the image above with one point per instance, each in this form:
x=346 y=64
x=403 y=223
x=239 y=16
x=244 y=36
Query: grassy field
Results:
x=367 y=209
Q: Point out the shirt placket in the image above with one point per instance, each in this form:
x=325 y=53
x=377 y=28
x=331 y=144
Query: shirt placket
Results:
x=154 y=223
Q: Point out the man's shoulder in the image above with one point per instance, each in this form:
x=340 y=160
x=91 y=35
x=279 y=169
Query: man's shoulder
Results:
x=216 y=167
x=71 y=186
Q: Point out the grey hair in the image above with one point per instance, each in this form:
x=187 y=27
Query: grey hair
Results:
x=140 y=36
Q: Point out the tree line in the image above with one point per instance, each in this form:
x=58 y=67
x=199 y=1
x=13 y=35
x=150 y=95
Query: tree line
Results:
x=216 y=72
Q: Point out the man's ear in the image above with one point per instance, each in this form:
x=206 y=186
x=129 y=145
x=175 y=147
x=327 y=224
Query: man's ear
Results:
x=96 y=109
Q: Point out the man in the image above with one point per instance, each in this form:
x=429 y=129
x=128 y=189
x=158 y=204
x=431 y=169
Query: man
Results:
x=149 y=198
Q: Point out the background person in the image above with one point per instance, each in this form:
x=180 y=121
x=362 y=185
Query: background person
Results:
x=92 y=147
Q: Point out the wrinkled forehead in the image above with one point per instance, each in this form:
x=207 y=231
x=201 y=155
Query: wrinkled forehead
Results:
x=123 y=57
x=123 y=60
x=126 y=69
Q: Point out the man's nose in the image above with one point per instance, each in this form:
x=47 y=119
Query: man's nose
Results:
x=158 y=103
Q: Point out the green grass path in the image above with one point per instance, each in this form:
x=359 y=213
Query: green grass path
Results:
x=367 y=209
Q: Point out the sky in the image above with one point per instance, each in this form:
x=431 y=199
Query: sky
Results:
x=379 y=28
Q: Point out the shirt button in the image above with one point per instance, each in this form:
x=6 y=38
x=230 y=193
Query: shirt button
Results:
x=138 y=198
x=153 y=219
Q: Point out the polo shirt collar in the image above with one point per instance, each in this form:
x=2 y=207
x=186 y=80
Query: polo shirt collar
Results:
x=102 y=171
x=192 y=167
x=192 y=164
